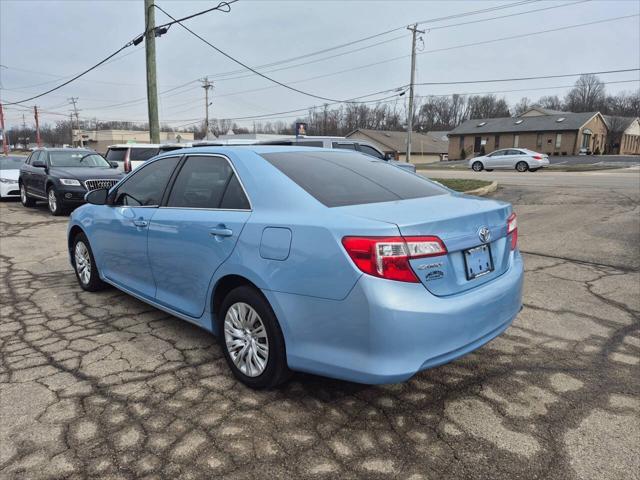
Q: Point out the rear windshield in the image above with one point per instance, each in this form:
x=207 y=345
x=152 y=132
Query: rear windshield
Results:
x=342 y=178
x=116 y=154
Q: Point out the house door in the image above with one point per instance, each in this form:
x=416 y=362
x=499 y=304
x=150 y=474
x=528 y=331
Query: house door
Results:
x=476 y=144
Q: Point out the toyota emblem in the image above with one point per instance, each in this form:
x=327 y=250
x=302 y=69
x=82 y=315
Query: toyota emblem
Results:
x=485 y=234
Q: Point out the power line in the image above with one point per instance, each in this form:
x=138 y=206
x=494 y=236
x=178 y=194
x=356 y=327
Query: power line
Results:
x=377 y=35
x=135 y=41
x=233 y=72
x=401 y=57
x=538 y=77
x=319 y=97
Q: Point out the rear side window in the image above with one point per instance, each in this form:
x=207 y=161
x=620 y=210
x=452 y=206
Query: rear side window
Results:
x=337 y=179
x=207 y=182
x=116 y=154
x=147 y=184
x=143 y=153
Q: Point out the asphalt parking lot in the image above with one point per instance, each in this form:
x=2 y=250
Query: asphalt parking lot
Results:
x=104 y=386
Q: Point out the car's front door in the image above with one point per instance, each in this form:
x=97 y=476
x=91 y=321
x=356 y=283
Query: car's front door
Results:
x=39 y=175
x=196 y=231
x=496 y=159
x=121 y=231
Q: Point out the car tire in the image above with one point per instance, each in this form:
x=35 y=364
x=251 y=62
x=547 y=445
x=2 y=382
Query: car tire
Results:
x=84 y=264
x=25 y=199
x=251 y=339
x=477 y=166
x=522 y=166
x=54 y=202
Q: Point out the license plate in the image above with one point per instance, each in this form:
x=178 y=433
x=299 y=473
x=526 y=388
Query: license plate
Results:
x=478 y=261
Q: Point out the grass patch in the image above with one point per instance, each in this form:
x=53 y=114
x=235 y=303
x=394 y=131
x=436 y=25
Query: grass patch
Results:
x=462 y=184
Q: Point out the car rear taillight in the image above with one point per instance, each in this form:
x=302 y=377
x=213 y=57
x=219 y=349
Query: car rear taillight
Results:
x=388 y=257
x=512 y=229
x=537 y=157
x=127 y=161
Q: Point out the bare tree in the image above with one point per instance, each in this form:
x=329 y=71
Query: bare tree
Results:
x=522 y=106
x=587 y=95
x=552 y=102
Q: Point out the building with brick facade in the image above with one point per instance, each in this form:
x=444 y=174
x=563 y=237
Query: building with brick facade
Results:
x=624 y=135
x=542 y=130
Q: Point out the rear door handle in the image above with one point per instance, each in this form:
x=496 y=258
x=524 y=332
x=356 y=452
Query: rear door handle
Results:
x=140 y=223
x=220 y=231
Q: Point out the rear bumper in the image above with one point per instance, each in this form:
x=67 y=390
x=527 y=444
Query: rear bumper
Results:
x=386 y=331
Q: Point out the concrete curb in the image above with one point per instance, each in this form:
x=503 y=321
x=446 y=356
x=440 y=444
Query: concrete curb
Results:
x=479 y=192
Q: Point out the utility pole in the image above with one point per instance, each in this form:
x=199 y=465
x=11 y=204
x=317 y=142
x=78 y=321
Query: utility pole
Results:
x=74 y=101
x=414 y=32
x=152 y=86
x=35 y=114
x=25 y=139
x=207 y=85
x=5 y=146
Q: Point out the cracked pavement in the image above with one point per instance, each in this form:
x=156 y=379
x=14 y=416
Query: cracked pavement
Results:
x=104 y=386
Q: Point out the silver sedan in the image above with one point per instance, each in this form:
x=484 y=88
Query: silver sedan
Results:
x=520 y=159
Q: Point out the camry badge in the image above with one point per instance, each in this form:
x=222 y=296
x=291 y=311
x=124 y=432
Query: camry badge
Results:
x=485 y=234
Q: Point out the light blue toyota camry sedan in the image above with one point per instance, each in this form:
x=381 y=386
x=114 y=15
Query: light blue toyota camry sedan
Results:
x=304 y=259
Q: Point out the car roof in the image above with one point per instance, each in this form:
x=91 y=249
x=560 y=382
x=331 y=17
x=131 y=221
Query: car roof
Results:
x=258 y=149
x=60 y=149
x=135 y=145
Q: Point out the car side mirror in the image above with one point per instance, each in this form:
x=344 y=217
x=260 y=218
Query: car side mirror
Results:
x=39 y=164
x=389 y=156
x=97 y=197
x=113 y=164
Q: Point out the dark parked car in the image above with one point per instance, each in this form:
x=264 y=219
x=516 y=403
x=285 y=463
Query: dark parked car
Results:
x=62 y=176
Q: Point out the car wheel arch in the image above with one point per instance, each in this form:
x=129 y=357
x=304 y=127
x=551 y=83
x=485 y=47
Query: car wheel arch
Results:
x=73 y=233
x=221 y=289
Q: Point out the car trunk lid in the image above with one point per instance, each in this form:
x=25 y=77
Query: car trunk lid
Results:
x=458 y=221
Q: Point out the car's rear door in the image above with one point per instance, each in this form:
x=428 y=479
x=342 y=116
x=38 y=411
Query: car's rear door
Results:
x=196 y=231
x=120 y=231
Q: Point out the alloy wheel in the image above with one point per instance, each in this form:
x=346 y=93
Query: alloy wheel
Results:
x=83 y=262
x=53 y=201
x=522 y=167
x=246 y=339
x=23 y=195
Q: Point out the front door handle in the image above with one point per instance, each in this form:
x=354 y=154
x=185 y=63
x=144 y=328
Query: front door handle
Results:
x=220 y=231
x=140 y=223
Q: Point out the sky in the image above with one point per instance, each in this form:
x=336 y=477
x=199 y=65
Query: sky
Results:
x=43 y=43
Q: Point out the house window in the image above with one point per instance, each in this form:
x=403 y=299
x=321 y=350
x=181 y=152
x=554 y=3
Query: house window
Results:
x=558 y=140
x=461 y=142
x=539 y=140
x=516 y=140
x=497 y=142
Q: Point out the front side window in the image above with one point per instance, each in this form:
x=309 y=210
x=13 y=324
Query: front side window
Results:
x=147 y=184
x=340 y=178
x=207 y=182
x=371 y=151
x=76 y=159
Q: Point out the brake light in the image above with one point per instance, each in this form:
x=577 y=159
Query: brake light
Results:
x=512 y=229
x=127 y=161
x=537 y=157
x=388 y=257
